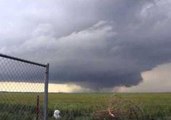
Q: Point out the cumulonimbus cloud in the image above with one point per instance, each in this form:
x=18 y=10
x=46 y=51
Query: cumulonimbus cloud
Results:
x=109 y=45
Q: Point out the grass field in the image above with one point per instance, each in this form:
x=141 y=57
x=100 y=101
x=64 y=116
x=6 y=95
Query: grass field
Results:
x=21 y=106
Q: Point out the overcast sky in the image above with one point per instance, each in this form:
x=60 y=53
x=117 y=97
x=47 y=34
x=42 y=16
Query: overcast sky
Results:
x=95 y=44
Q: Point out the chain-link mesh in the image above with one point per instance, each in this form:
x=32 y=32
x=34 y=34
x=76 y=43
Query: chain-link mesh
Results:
x=21 y=90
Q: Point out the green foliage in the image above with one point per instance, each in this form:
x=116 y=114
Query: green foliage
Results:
x=156 y=106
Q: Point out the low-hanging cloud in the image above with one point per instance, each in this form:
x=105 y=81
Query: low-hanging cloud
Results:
x=96 y=44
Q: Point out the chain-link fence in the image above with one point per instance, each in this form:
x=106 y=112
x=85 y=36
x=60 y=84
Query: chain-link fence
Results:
x=23 y=89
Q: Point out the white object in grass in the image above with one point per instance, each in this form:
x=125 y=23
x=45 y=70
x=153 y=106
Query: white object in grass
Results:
x=57 y=114
x=110 y=113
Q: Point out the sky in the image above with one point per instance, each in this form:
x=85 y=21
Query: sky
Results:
x=92 y=45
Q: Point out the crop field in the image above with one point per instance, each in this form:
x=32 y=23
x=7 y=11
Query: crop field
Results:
x=84 y=106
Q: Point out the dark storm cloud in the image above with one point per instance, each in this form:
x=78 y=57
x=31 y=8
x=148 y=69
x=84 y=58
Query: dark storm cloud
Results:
x=96 y=44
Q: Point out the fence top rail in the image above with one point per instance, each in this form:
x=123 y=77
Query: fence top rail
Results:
x=22 y=60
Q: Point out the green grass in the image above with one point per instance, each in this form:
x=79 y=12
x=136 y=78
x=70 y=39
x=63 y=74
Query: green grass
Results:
x=156 y=106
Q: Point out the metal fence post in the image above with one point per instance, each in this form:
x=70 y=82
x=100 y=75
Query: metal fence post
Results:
x=11 y=70
x=37 y=108
x=46 y=93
